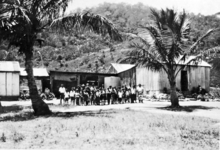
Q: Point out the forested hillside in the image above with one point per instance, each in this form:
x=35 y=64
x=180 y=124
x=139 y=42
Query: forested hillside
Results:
x=86 y=51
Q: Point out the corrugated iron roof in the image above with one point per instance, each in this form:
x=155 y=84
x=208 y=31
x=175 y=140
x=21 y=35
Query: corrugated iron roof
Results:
x=38 y=72
x=9 y=66
x=122 y=67
x=201 y=63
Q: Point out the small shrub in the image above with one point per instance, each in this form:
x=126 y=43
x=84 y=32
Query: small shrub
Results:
x=17 y=137
x=3 y=138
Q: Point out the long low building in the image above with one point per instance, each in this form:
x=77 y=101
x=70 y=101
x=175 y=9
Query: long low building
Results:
x=73 y=79
x=152 y=81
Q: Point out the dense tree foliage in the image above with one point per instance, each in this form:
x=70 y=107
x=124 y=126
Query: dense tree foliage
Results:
x=22 y=21
x=127 y=18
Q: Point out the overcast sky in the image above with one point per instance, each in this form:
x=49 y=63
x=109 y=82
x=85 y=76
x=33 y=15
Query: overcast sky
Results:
x=205 y=7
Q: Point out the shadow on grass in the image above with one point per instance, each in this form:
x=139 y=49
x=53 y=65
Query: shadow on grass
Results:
x=28 y=115
x=186 y=108
x=11 y=109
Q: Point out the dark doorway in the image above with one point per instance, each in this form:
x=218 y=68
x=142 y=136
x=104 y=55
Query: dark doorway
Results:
x=184 y=81
x=45 y=84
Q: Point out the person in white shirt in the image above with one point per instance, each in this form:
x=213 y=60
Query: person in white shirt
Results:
x=120 y=94
x=140 y=92
x=66 y=96
x=72 y=96
x=98 y=94
x=77 y=97
x=62 y=91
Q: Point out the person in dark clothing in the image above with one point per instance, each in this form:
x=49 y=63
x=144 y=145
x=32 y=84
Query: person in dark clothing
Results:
x=108 y=94
x=133 y=94
x=97 y=97
x=201 y=93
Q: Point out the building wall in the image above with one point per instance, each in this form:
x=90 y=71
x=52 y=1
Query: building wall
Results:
x=199 y=76
x=150 y=80
x=128 y=78
x=156 y=81
x=9 y=84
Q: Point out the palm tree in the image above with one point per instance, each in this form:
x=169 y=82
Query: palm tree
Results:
x=161 y=45
x=22 y=20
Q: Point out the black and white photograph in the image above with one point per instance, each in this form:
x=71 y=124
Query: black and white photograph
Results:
x=110 y=74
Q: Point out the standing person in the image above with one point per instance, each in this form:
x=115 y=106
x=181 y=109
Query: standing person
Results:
x=62 y=91
x=108 y=96
x=82 y=96
x=123 y=95
x=92 y=96
x=86 y=97
x=77 y=97
x=133 y=94
x=87 y=88
x=128 y=95
x=103 y=95
x=115 y=95
x=72 y=96
x=66 y=96
x=111 y=93
x=140 y=92
x=120 y=95
x=97 y=97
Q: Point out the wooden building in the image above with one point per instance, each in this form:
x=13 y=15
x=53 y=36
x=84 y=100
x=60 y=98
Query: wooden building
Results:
x=73 y=79
x=153 y=82
x=9 y=80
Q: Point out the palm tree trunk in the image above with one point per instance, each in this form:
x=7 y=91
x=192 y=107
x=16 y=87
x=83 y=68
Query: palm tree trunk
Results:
x=1 y=108
x=173 y=95
x=39 y=106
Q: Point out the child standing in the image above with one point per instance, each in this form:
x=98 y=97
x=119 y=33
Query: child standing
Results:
x=77 y=97
x=66 y=96
x=128 y=95
x=97 y=95
x=72 y=96
x=120 y=94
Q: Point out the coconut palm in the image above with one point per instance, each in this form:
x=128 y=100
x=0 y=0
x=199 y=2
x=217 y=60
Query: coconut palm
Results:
x=22 y=20
x=164 y=43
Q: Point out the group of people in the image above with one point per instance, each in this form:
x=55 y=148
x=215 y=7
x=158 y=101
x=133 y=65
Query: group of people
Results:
x=92 y=95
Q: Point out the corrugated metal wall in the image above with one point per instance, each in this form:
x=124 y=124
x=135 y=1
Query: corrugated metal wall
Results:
x=198 y=76
x=9 y=84
x=156 y=81
x=128 y=78
x=149 y=79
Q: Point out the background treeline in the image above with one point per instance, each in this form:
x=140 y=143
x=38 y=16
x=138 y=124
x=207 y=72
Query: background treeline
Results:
x=86 y=51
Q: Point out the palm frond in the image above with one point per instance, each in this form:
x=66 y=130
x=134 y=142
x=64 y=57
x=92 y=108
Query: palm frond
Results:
x=152 y=36
x=143 y=56
x=209 y=32
x=11 y=10
x=95 y=23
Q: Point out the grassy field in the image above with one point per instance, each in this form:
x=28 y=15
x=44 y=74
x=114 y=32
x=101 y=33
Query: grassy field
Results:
x=109 y=129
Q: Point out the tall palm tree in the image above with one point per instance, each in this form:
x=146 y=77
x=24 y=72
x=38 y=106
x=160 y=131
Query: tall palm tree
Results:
x=164 y=43
x=22 y=20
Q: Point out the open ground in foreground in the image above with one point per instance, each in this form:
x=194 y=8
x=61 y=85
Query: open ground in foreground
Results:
x=112 y=128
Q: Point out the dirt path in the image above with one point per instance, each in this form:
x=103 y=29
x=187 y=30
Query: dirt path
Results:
x=192 y=108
